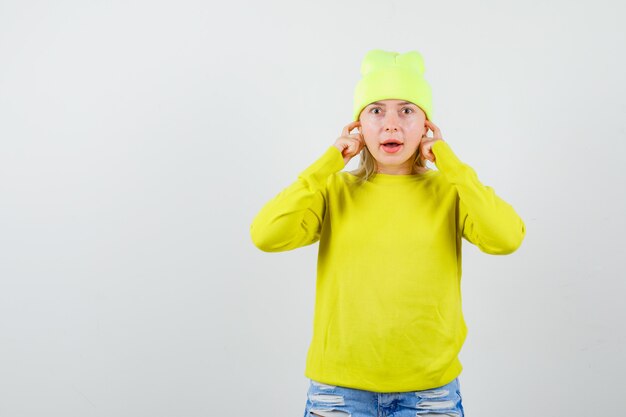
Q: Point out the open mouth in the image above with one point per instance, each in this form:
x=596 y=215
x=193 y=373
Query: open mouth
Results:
x=392 y=147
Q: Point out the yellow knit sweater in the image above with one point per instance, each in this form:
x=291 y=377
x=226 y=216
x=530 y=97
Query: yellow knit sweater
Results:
x=388 y=314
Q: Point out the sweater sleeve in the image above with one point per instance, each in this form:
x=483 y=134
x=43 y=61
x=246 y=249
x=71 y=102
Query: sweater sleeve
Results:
x=485 y=219
x=294 y=217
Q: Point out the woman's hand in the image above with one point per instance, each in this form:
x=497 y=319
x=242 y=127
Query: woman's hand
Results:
x=350 y=144
x=426 y=144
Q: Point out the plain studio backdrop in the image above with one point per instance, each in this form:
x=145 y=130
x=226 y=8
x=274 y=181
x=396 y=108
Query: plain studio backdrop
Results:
x=140 y=138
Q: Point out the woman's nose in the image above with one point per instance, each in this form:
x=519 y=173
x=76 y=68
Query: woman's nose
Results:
x=391 y=122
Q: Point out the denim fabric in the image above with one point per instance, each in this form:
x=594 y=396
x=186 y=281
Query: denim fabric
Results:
x=335 y=401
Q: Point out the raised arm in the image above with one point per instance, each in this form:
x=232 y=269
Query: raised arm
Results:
x=294 y=217
x=485 y=219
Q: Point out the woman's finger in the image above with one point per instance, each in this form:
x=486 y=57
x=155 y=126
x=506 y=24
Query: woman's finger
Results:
x=426 y=152
x=434 y=128
x=349 y=127
x=357 y=137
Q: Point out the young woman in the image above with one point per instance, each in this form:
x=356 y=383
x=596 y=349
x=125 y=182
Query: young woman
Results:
x=388 y=324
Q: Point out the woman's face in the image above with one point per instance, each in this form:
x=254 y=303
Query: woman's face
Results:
x=393 y=119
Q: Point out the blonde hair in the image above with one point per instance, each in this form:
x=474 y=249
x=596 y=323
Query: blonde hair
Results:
x=367 y=165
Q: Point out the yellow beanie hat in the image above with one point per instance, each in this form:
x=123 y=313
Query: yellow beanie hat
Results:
x=391 y=75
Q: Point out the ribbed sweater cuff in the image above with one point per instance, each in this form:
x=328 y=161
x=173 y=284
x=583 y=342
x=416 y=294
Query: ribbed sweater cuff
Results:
x=448 y=163
x=316 y=174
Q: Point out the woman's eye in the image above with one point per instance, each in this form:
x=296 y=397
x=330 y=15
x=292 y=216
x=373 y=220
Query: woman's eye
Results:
x=374 y=110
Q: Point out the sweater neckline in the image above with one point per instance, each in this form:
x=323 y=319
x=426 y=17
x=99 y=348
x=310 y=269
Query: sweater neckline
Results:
x=400 y=178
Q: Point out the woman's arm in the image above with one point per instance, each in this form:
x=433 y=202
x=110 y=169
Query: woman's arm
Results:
x=294 y=217
x=485 y=219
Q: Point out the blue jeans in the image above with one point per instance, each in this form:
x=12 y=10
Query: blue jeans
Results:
x=335 y=401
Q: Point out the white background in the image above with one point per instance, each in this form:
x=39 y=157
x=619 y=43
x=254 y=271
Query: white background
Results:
x=138 y=139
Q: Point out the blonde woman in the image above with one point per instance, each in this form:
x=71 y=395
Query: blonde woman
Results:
x=388 y=323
